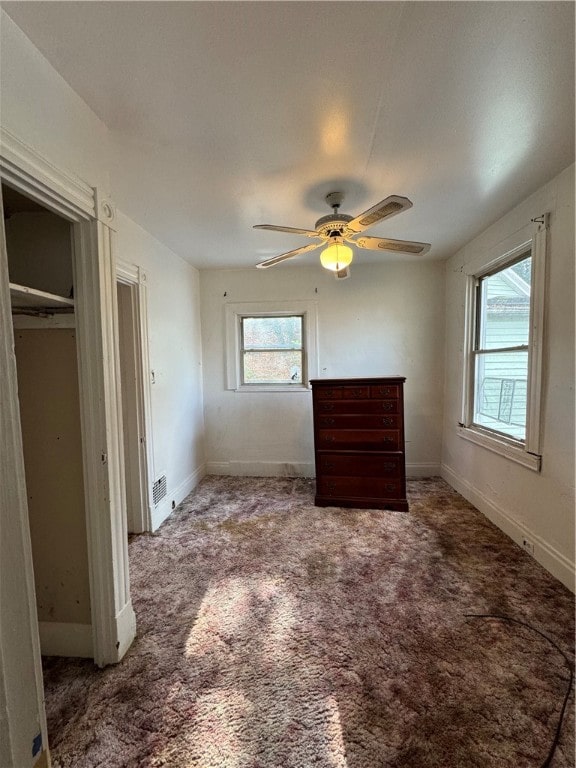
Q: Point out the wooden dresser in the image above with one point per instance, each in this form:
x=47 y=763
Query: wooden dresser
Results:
x=359 y=443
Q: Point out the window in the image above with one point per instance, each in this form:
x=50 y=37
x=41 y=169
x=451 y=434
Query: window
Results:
x=501 y=405
x=271 y=346
x=272 y=349
x=500 y=354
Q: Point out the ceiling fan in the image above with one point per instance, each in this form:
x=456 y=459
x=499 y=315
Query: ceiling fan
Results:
x=336 y=229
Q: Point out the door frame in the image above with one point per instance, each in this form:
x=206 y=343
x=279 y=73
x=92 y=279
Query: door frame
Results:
x=21 y=682
x=93 y=218
x=135 y=279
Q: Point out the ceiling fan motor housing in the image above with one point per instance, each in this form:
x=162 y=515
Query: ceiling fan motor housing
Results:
x=333 y=224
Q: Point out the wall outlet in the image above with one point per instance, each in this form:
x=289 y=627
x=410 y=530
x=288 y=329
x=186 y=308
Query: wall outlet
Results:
x=528 y=546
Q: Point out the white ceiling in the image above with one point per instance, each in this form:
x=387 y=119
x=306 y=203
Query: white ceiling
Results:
x=229 y=114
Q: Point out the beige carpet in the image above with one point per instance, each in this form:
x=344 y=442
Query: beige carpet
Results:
x=275 y=634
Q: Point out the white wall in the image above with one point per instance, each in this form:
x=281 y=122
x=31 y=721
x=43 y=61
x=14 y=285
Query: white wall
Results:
x=38 y=106
x=387 y=319
x=523 y=503
x=175 y=359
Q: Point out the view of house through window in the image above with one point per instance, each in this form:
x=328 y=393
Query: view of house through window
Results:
x=272 y=350
x=500 y=354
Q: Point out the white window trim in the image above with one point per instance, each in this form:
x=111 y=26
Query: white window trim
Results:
x=233 y=314
x=528 y=453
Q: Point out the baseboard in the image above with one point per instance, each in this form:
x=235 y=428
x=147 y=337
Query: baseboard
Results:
x=176 y=495
x=261 y=468
x=43 y=759
x=423 y=469
x=297 y=469
x=59 y=638
x=549 y=558
x=126 y=627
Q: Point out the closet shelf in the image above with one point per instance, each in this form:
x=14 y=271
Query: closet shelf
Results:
x=31 y=298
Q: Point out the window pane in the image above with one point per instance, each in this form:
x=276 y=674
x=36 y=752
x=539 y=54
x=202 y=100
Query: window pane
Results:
x=500 y=392
x=272 y=332
x=505 y=307
x=276 y=367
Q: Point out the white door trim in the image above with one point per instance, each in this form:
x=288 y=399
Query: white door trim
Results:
x=26 y=170
x=100 y=407
x=136 y=279
x=93 y=217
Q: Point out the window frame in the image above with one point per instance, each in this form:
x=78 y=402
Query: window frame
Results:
x=236 y=312
x=527 y=452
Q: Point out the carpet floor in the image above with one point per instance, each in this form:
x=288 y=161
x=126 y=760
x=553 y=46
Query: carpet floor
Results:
x=276 y=634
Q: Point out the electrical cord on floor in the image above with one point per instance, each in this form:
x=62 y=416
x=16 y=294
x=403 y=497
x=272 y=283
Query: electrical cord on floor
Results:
x=548 y=762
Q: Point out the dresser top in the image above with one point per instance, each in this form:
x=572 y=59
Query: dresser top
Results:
x=361 y=380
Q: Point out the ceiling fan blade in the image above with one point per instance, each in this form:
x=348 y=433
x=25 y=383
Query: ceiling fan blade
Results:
x=293 y=230
x=383 y=210
x=385 y=244
x=289 y=255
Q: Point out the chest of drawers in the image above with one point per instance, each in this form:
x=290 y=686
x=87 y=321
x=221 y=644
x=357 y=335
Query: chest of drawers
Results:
x=359 y=443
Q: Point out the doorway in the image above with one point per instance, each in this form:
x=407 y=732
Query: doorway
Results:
x=135 y=378
x=39 y=247
x=91 y=218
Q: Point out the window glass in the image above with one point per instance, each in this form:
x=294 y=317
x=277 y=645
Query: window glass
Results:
x=272 y=350
x=272 y=332
x=501 y=349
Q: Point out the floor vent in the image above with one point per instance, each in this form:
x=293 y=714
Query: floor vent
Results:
x=159 y=489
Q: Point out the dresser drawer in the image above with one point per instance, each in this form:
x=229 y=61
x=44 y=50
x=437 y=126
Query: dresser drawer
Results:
x=381 y=391
x=360 y=464
x=367 y=439
x=328 y=393
x=343 y=393
x=359 y=421
x=358 y=406
x=360 y=487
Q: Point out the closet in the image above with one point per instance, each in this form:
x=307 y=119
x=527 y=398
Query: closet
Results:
x=40 y=249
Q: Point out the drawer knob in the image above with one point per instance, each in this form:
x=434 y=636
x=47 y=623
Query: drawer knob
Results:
x=328 y=439
x=328 y=465
x=389 y=486
x=387 y=406
x=389 y=465
x=327 y=420
x=327 y=406
x=387 y=421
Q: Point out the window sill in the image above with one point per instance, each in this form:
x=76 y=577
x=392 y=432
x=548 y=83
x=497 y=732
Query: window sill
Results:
x=501 y=446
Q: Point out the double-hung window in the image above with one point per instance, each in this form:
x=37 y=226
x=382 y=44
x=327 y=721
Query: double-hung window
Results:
x=271 y=346
x=500 y=350
x=501 y=407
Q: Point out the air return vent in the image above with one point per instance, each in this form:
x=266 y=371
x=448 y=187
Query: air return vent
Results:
x=159 y=490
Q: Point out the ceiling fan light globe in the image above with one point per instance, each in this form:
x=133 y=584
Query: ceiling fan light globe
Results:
x=336 y=257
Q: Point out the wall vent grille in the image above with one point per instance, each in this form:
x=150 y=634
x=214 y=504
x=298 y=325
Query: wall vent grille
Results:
x=159 y=489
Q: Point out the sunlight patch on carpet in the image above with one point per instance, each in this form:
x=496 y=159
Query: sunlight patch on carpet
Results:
x=269 y=692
